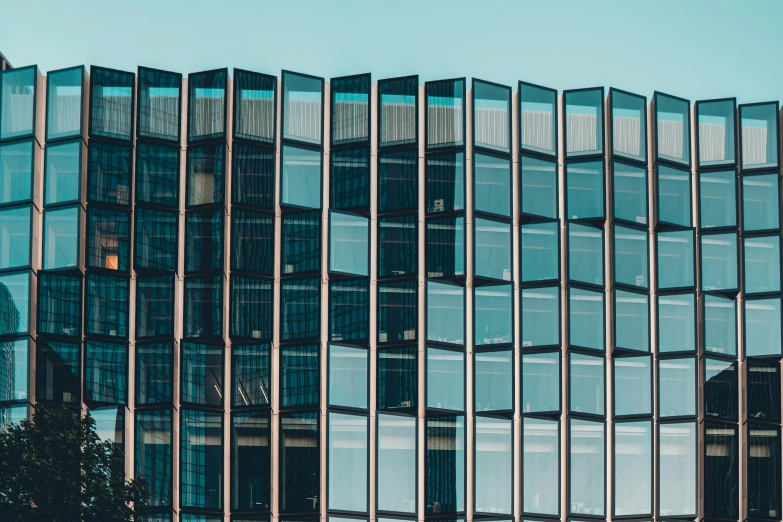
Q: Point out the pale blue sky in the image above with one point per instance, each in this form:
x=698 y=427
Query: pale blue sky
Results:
x=697 y=49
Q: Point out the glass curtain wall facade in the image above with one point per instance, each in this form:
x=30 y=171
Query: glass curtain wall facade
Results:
x=291 y=299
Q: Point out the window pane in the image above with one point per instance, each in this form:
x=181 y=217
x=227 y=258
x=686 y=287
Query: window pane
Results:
x=630 y=191
x=15 y=299
x=108 y=239
x=630 y=256
x=541 y=466
x=253 y=241
x=157 y=174
x=492 y=184
x=349 y=247
x=585 y=190
x=17 y=95
x=495 y=465
x=761 y=264
x=251 y=374
x=539 y=250
x=159 y=104
x=397 y=237
x=350 y=109
x=492 y=116
x=252 y=306
x=720 y=325
x=398 y=175
x=349 y=310
x=445 y=113
x=674 y=194
x=59 y=304
x=632 y=387
x=348 y=380
x=349 y=181
x=299 y=462
x=586 y=318
x=720 y=389
x=57 y=376
x=676 y=323
x=762 y=327
x=63 y=172
x=251 y=462
x=397 y=116
x=760 y=202
x=201 y=463
x=14 y=379
x=633 y=468
x=763 y=385
x=396 y=469
x=446 y=247
x=203 y=307
x=154 y=454
x=763 y=470
x=61 y=237
x=300 y=381
x=538 y=119
x=445 y=313
x=348 y=462
x=718 y=199
x=301 y=242
x=445 y=461
x=64 y=106
x=540 y=317
x=154 y=373
x=206 y=174
x=584 y=122
x=631 y=321
x=721 y=470
x=110 y=425
x=673 y=132
x=759 y=131
x=207 y=104
x=716 y=132
x=109 y=173
x=398 y=317
x=586 y=380
x=540 y=382
x=302 y=107
x=300 y=309
x=585 y=254
x=719 y=262
x=586 y=454
x=111 y=107
x=629 y=125
x=445 y=182
x=16 y=171
x=675 y=259
x=492 y=249
x=301 y=177
x=538 y=187
x=105 y=372
x=677 y=387
x=202 y=374
x=398 y=379
x=493 y=314
x=253 y=174
x=445 y=379
x=156 y=236
x=493 y=386
x=677 y=469
x=15 y=229
x=254 y=106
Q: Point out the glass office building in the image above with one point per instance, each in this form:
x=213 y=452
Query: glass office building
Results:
x=292 y=299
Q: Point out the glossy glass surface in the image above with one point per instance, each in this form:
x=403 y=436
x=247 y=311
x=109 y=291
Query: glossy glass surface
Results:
x=538 y=187
x=105 y=372
x=716 y=132
x=586 y=383
x=252 y=307
x=347 y=462
x=445 y=182
x=154 y=373
x=16 y=171
x=156 y=237
x=444 y=485
x=632 y=386
x=720 y=389
x=301 y=242
x=677 y=469
x=15 y=302
x=17 y=102
x=539 y=251
x=493 y=381
x=251 y=374
x=720 y=325
x=397 y=240
x=349 y=244
x=759 y=134
x=207 y=104
x=763 y=470
x=673 y=133
x=719 y=262
x=203 y=315
x=721 y=470
x=761 y=264
x=111 y=103
x=492 y=184
x=629 y=125
x=159 y=104
x=349 y=179
x=398 y=179
x=15 y=229
x=206 y=176
x=677 y=387
x=64 y=104
x=396 y=471
x=300 y=309
x=445 y=379
x=762 y=326
x=587 y=467
x=633 y=475
x=397 y=118
x=445 y=251
x=154 y=453
x=201 y=459
x=674 y=195
x=584 y=125
x=63 y=172
x=585 y=190
x=349 y=310
x=397 y=378
x=494 y=463
x=108 y=239
x=492 y=249
x=302 y=108
x=201 y=374
x=254 y=106
x=631 y=256
x=57 y=370
x=718 y=199
x=631 y=321
x=677 y=323
x=493 y=315
x=445 y=313
x=629 y=192
x=540 y=382
x=61 y=238
x=301 y=177
x=59 y=304
x=253 y=176
x=540 y=466
x=157 y=174
x=398 y=318
x=445 y=113
x=760 y=202
x=350 y=113
x=540 y=317
x=299 y=462
x=348 y=379
x=252 y=241
x=491 y=116
x=763 y=390
x=14 y=382
x=675 y=253
x=251 y=480
x=109 y=173
x=585 y=254
x=586 y=318
x=538 y=119
x=300 y=382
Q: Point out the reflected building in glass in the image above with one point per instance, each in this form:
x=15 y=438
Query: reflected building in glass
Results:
x=291 y=299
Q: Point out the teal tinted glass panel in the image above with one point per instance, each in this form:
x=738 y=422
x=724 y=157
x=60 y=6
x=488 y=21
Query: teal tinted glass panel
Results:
x=718 y=199
x=445 y=116
x=584 y=122
x=631 y=321
x=445 y=251
x=207 y=104
x=347 y=462
x=445 y=182
x=445 y=313
x=538 y=187
x=349 y=247
x=759 y=132
x=492 y=249
x=762 y=327
x=585 y=190
x=540 y=466
x=677 y=387
x=444 y=486
x=585 y=254
x=760 y=202
x=586 y=318
x=630 y=257
x=63 y=172
x=159 y=104
x=673 y=117
x=15 y=299
x=716 y=132
x=254 y=106
x=15 y=228
x=201 y=459
x=676 y=323
x=761 y=264
x=719 y=262
x=633 y=468
x=539 y=251
x=301 y=173
x=537 y=119
x=675 y=255
x=206 y=180
x=14 y=379
x=491 y=116
x=674 y=195
x=111 y=103
x=64 y=107
x=493 y=314
x=302 y=108
x=61 y=238
x=588 y=466
x=629 y=125
x=630 y=192
x=677 y=477
x=397 y=378
x=445 y=379
x=17 y=102
x=494 y=463
x=16 y=171
x=154 y=449
x=397 y=121
x=720 y=325
x=632 y=386
x=586 y=383
x=492 y=184
x=493 y=385
x=396 y=478
x=347 y=376
x=540 y=317
x=540 y=382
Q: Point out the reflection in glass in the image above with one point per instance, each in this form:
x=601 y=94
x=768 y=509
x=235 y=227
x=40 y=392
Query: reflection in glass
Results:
x=585 y=254
x=154 y=451
x=586 y=318
x=445 y=313
x=398 y=378
x=720 y=325
x=492 y=184
x=759 y=132
x=109 y=173
x=111 y=103
x=720 y=389
x=350 y=116
x=538 y=187
x=677 y=387
x=676 y=323
x=108 y=238
x=762 y=326
x=673 y=136
x=61 y=237
x=250 y=461
x=154 y=373
x=398 y=249
x=299 y=462
x=300 y=309
x=630 y=256
x=495 y=465
x=721 y=470
x=59 y=304
x=300 y=381
x=540 y=382
x=251 y=374
x=159 y=104
x=17 y=102
x=585 y=190
x=491 y=116
x=252 y=241
x=254 y=106
x=349 y=179
x=203 y=315
x=492 y=249
x=157 y=174
x=445 y=182
x=763 y=470
x=64 y=104
x=348 y=381
x=301 y=242
x=349 y=310
x=15 y=302
x=631 y=322
x=156 y=237
x=677 y=469
x=253 y=175
x=587 y=464
x=716 y=132
x=586 y=383
x=629 y=125
x=760 y=202
x=206 y=171
x=675 y=253
x=540 y=466
x=537 y=119
x=397 y=118
x=540 y=316
x=14 y=378
x=105 y=372
x=719 y=262
x=202 y=374
x=674 y=195
x=444 y=486
x=398 y=178
x=207 y=104
x=445 y=379
x=718 y=199
x=763 y=389
x=633 y=468
x=347 y=462
x=398 y=318
x=349 y=247
x=57 y=376
x=493 y=314
x=201 y=459
x=301 y=177
x=493 y=386
x=445 y=116
x=539 y=251
x=251 y=313
x=16 y=171
x=584 y=122
x=396 y=471
x=761 y=264
x=632 y=386
x=630 y=192
x=302 y=107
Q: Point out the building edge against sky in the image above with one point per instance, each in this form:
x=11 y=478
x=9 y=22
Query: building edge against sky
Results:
x=295 y=299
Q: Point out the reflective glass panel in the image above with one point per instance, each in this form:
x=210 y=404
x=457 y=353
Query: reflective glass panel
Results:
x=251 y=374
x=62 y=175
x=206 y=180
x=159 y=104
x=718 y=199
x=585 y=190
x=108 y=239
x=630 y=192
x=585 y=254
x=156 y=237
x=492 y=249
x=540 y=466
x=538 y=119
x=111 y=103
x=157 y=174
x=301 y=242
x=633 y=468
x=15 y=302
x=207 y=104
x=397 y=240
x=586 y=318
x=349 y=310
x=584 y=122
x=396 y=471
x=302 y=107
x=254 y=106
x=759 y=132
x=253 y=241
x=540 y=382
x=763 y=470
x=301 y=177
x=495 y=465
x=445 y=379
x=201 y=459
x=154 y=373
x=251 y=480
x=586 y=383
x=445 y=313
x=64 y=104
x=761 y=264
x=105 y=372
x=300 y=309
x=445 y=182
x=677 y=469
x=398 y=317
x=201 y=374
x=540 y=317
x=716 y=132
x=203 y=315
x=721 y=470
x=349 y=245
x=253 y=175
x=445 y=116
x=762 y=326
x=444 y=485
x=763 y=389
x=299 y=462
x=348 y=379
x=676 y=323
x=300 y=381
x=350 y=114
x=631 y=321
x=539 y=251
x=154 y=451
x=760 y=202
x=398 y=177
x=629 y=125
x=675 y=255
x=673 y=133
x=14 y=378
x=57 y=376
x=587 y=463
x=492 y=184
x=59 y=304
x=538 y=187
x=720 y=325
x=445 y=252
x=109 y=173
x=493 y=381
x=398 y=378
x=630 y=257
x=491 y=116
x=677 y=387
x=719 y=262
x=349 y=179
x=674 y=195
x=252 y=307
x=347 y=462
x=397 y=119
x=15 y=229
x=720 y=389
x=61 y=237
x=632 y=386
x=16 y=171
x=17 y=102
x=493 y=314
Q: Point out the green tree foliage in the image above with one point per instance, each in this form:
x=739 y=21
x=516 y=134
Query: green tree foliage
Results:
x=56 y=469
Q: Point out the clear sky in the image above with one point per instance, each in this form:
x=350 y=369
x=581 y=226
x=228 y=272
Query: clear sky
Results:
x=697 y=49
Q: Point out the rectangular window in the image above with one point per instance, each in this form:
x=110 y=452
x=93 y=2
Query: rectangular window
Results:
x=156 y=238
x=57 y=372
x=14 y=380
x=677 y=387
x=108 y=239
x=586 y=383
x=493 y=381
x=445 y=313
x=15 y=295
x=586 y=450
x=676 y=323
x=18 y=92
x=251 y=374
x=540 y=382
x=493 y=314
x=349 y=180
x=672 y=128
x=633 y=461
x=251 y=307
x=397 y=240
x=160 y=103
x=303 y=98
x=350 y=115
x=759 y=135
x=59 y=304
x=348 y=467
x=537 y=119
x=585 y=254
x=763 y=470
x=348 y=376
x=760 y=202
x=539 y=252
x=495 y=465
x=301 y=242
x=253 y=176
x=720 y=389
x=540 y=316
x=444 y=486
x=629 y=188
x=492 y=249
x=154 y=373
x=63 y=167
x=398 y=176
x=251 y=464
x=155 y=306
x=349 y=244
x=491 y=116
x=716 y=132
x=539 y=195
x=106 y=310
x=109 y=173
x=255 y=106
x=721 y=470
x=201 y=460
x=252 y=238
x=207 y=104
x=445 y=251
x=65 y=108
x=396 y=469
x=201 y=374
x=445 y=182
x=719 y=270
x=584 y=122
x=761 y=264
x=110 y=425
x=632 y=386
x=445 y=114
x=301 y=177
x=157 y=174
x=674 y=195
x=762 y=326
x=677 y=469
x=203 y=316
x=720 y=325
x=61 y=237
x=300 y=309
x=16 y=171
x=631 y=255
x=540 y=466
x=398 y=379
x=299 y=462
x=16 y=229
x=300 y=381
x=586 y=318
x=105 y=372
x=397 y=114
x=585 y=190
x=631 y=321
x=763 y=390
x=349 y=310
x=154 y=449
x=206 y=174
x=111 y=103
x=718 y=199
x=629 y=125
x=398 y=318
x=445 y=379
x=675 y=254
